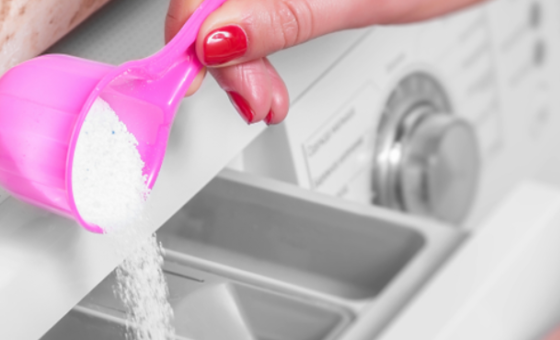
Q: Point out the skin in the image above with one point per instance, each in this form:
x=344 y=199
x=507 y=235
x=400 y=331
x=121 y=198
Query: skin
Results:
x=273 y=25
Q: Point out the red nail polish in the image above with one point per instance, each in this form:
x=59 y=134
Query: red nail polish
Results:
x=241 y=106
x=269 y=117
x=224 y=44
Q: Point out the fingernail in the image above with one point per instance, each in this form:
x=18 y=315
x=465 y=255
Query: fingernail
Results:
x=241 y=106
x=224 y=44
x=269 y=117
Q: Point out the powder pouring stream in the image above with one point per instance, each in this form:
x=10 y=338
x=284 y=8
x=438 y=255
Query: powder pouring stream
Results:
x=110 y=190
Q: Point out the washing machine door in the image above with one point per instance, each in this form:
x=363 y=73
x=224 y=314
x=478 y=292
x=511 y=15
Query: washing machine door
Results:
x=502 y=284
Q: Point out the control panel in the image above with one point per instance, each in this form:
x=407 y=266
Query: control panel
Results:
x=437 y=119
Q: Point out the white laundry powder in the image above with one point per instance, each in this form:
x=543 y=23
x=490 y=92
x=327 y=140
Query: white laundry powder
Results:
x=110 y=191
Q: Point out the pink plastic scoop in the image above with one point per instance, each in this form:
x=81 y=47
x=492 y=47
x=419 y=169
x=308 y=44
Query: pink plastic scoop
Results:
x=44 y=101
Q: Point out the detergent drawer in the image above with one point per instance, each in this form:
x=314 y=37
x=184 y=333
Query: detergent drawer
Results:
x=208 y=306
x=268 y=260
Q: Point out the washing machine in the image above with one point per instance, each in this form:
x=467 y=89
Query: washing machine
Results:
x=412 y=193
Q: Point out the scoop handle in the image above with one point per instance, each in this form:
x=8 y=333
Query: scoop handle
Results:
x=177 y=49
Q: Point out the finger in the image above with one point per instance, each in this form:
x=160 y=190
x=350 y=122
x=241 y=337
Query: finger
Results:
x=280 y=101
x=243 y=30
x=197 y=82
x=249 y=88
x=177 y=14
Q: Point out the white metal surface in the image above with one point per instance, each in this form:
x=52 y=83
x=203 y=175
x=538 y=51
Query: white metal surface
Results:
x=502 y=284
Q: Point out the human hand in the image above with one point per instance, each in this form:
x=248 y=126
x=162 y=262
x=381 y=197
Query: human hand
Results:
x=234 y=40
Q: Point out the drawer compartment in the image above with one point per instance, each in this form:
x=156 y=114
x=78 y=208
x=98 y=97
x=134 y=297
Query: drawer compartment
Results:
x=284 y=233
x=208 y=307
